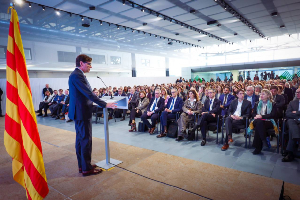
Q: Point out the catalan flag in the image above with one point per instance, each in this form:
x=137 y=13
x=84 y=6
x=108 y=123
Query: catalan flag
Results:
x=21 y=136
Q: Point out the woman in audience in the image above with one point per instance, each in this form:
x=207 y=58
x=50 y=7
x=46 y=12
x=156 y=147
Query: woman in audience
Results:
x=139 y=110
x=100 y=92
x=125 y=90
x=164 y=94
x=264 y=113
x=219 y=90
x=148 y=93
x=181 y=94
x=191 y=107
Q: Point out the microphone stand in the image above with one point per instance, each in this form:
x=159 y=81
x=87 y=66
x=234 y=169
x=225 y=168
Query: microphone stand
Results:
x=111 y=97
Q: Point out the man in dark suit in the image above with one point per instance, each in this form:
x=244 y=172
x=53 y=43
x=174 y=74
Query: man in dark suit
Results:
x=80 y=110
x=173 y=106
x=239 y=109
x=210 y=110
x=132 y=99
x=120 y=93
x=56 y=101
x=278 y=99
x=47 y=88
x=288 y=91
x=293 y=115
x=155 y=106
x=251 y=96
x=62 y=106
x=225 y=99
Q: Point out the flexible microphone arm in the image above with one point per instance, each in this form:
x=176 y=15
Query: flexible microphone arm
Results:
x=111 y=97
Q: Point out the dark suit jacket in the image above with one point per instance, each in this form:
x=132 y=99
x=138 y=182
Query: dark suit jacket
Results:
x=255 y=98
x=134 y=98
x=160 y=104
x=289 y=93
x=215 y=108
x=177 y=106
x=122 y=95
x=293 y=106
x=280 y=102
x=245 y=110
x=230 y=98
x=67 y=100
x=272 y=115
x=81 y=97
x=45 y=89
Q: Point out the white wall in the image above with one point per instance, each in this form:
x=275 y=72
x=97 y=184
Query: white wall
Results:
x=37 y=85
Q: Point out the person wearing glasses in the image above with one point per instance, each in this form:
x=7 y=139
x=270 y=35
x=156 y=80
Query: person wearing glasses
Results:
x=80 y=110
x=210 y=110
x=173 y=106
x=251 y=96
x=293 y=123
x=156 y=105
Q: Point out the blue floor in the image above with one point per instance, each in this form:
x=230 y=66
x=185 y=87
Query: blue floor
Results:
x=236 y=157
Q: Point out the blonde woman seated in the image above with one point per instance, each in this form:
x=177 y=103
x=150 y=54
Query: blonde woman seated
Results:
x=191 y=107
x=264 y=113
x=139 y=110
x=165 y=95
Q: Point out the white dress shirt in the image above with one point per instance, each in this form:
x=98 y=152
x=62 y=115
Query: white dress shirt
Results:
x=151 y=108
x=238 y=111
x=172 y=105
x=212 y=102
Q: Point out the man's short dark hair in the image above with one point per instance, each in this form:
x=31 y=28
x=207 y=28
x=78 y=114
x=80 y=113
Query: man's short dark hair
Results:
x=84 y=58
x=240 y=90
x=227 y=87
x=60 y=90
x=274 y=87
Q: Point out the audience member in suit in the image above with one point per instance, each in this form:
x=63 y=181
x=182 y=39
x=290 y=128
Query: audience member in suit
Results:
x=120 y=93
x=239 y=109
x=155 y=106
x=137 y=111
x=47 y=88
x=219 y=91
x=54 y=104
x=80 y=110
x=173 y=106
x=278 y=99
x=191 y=107
x=181 y=94
x=1 y=92
x=46 y=100
x=105 y=93
x=251 y=96
x=226 y=98
x=288 y=91
x=204 y=96
x=210 y=110
x=264 y=114
x=132 y=99
x=148 y=93
x=293 y=123
x=62 y=107
x=47 y=105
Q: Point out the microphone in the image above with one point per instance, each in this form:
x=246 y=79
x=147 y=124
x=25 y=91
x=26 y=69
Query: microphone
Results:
x=111 y=97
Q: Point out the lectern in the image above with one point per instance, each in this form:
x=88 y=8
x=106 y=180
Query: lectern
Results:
x=122 y=103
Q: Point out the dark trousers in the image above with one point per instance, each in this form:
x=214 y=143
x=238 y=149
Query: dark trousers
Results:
x=53 y=108
x=61 y=109
x=261 y=127
x=41 y=106
x=230 y=124
x=154 y=118
x=83 y=144
x=46 y=106
x=204 y=121
x=131 y=105
x=294 y=132
x=134 y=114
x=164 y=117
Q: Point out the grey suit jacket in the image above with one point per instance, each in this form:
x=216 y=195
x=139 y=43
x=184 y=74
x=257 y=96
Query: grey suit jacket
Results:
x=293 y=106
x=142 y=105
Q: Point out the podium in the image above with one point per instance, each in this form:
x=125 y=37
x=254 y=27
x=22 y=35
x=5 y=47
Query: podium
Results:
x=122 y=103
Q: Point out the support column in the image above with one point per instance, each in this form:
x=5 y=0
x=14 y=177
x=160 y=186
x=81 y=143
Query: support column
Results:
x=133 y=65
x=167 y=66
x=235 y=75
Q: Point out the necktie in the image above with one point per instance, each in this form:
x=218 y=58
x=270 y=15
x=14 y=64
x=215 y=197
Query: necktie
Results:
x=154 y=105
x=210 y=101
x=130 y=97
x=225 y=100
x=172 y=104
x=89 y=86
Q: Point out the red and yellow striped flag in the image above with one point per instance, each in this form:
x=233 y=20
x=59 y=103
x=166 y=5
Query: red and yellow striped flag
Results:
x=21 y=136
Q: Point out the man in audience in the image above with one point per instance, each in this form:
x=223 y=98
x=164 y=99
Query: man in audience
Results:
x=61 y=107
x=210 y=110
x=278 y=99
x=225 y=99
x=132 y=99
x=258 y=89
x=46 y=100
x=47 y=88
x=115 y=90
x=238 y=110
x=287 y=90
x=105 y=93
x=155 y=106
x=251 y=96
x=54 y=104
x=293 y=122
x=173 y=106
x=119 y=94
x=47 y=105
x=218 y=79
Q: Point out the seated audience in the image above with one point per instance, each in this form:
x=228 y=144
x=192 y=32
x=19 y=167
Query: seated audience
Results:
x=191 y=107
x=278 y=99
x=54 y=104
x=63 y=106
x=219 y=91
x=148 y=93
x=47 y=88
x=263 y=114
x=239 y=109
x=165 y=95
x=226 y=98
x=132 y=99
x=210 y=110
x=293 y=123
x=47 y=105
x=258 y=89
x=46 y=100
x=156 y=105
x=251 y=96
x=137 y=111
x=119 y=94
x=173 y=106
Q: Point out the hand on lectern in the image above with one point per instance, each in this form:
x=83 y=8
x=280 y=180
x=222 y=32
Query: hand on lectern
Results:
x=111 y=105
